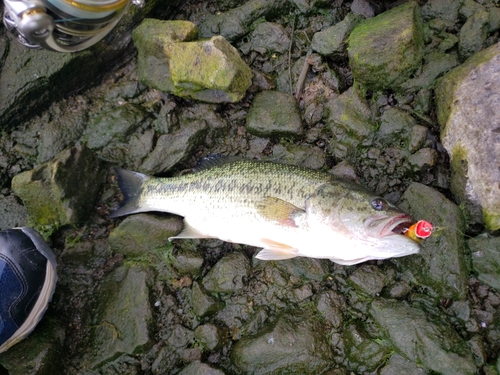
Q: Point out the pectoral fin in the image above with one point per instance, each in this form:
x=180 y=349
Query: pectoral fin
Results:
x=276 y=251
x=189 y=232
x=278 y=210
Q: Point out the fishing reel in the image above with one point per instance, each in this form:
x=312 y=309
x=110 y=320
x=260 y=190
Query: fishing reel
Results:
x=63 y=25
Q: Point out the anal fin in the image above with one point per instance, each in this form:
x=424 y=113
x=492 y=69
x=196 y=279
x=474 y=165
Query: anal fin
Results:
x=276 y=251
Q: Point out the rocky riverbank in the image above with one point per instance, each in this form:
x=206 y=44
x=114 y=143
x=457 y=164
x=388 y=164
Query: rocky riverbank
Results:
x=402 y=97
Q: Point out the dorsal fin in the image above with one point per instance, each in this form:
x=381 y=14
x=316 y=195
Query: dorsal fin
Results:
x=213 y=160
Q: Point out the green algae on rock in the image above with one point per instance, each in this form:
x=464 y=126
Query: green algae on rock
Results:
x=171 y=61
x=63 y=190
x=468 y=101
x=274 y=114
x=386 y=50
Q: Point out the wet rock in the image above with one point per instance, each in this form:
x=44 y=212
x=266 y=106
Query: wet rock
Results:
x=166 y=53
x=351 y=124
x=423 y=159
x=175 y=147
x=395 y=125
x=140 y=234
x=304 y=155
x=113 y=128
x=122 y=318
x=385 y=50
x=268 y=37
x=198 y=368
x=369 y=280
x=62 y=191
x=274 y=114
x=209 y=335
x=202 y=303
x=176 y=343
x=150 y=39
x=228 y=274
x=330 y=305
x=39 y=353
x=332 y=41
x=12 y=213
x=294 y=343
x=397 y=365
x=237 y=22
x=362 y=7
x=364 y=353
x=444 y=10
x=468 y=104
x=220 y=74
x=440 y=265
x=436 y=64
x=304 y=268
x=188 y=262
x=486 y=259
x=473 y=34
x=431 y=342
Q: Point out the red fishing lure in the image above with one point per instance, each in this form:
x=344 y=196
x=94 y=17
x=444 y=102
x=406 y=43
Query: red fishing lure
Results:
x=419 y=231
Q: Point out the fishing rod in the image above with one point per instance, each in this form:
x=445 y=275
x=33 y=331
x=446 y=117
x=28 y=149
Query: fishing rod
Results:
x=63 y=25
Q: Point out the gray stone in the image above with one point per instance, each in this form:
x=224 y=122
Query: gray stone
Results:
x=274 y=114
x=228 y=275
x=269 y=37
x=440 y=265
x=395 y=125
x=113 y=126
x=436 y=64
x=364 y=353
x=423 y=159
x=122 y=318
x=150 y=39
x=385 y=50
x=209 y=336
x=486 y=259
x=468 y=109
x=398 y=365
x=62 y=191
x=202 y=304
x=188 y=262
x=237 y=22
x=294 y=343
x=445 y=10
x=332 y=41
x=175 y=147
x=198 y=368
x=219 y=76
x=12 y=213
x=330 y=305
x=167 y=50
x=140 y=234
x=473 y=34
x=350 y=121
x=431 y=342
x=369 y=280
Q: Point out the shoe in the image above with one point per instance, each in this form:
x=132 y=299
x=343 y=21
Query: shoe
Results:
x=27 y=282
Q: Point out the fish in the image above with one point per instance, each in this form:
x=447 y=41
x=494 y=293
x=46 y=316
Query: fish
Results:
x=286 y=210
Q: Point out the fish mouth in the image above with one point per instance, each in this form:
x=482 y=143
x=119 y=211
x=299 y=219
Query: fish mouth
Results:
x=397 y=225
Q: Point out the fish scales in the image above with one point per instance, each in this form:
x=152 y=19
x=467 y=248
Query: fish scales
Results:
x=288 y=211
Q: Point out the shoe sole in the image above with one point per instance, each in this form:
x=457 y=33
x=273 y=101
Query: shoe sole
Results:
x=45 y=295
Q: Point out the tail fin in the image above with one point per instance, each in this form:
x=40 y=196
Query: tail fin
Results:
x=130 y=184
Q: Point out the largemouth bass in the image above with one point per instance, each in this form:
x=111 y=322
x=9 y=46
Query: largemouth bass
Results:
x=288 y=211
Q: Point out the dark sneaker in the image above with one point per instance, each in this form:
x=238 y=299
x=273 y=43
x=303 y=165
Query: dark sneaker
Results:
x=27 y=282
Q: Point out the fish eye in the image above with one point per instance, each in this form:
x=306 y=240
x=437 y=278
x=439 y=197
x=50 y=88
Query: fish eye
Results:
x=379 y=204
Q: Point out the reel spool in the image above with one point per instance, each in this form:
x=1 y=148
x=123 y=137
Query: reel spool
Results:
x=63 y=25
